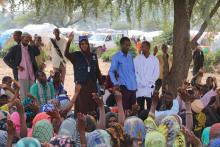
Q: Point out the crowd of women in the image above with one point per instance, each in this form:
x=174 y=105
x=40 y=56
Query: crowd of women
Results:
x=105 y=111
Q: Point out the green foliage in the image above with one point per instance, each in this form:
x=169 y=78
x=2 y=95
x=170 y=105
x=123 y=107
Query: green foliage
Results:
x=165 y=38
x=209 y=62
x=74 y=47
x=107 y=56
x=2 y=54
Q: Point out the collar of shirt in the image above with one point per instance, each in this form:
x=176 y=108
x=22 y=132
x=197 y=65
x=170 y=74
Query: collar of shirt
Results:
x=24 y=47
x=122 y=54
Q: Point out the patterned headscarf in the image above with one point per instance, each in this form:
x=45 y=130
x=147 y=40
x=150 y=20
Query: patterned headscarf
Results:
x=28 y=111
x=205 y=136
x=98 y=138
x=170 y=128
x=63 y=100
x=43 y=131
x=155 y=139
x=28 y=142
x=215 y=131
x=3 y=119
x=69 y=128
x=3 y=138
x=134 y=127
x=215 y=142
x=62 y=141
x=117 y=134
x=47 y=107
x=180 y=140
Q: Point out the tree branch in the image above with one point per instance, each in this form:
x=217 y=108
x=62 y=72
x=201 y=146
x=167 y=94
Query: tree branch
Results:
x=205 y=23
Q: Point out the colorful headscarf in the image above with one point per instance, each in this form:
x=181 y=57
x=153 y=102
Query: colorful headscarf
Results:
x=98 y=138
x=3 y=138
x=134 y=127
x=47 y=107
x=62 y=141
x=69 y=128
x=43 y=131
x=155 y=139
x=215 y=131
x=215 y=142
x=28 y=111
x=41 y=116
x=180 y=140
x=28 y=142
x=63 y=100
x=117 y=134
x=170 y=128
x=15 y=118
x=3 y=119
x=150 y=125
x=205 y=136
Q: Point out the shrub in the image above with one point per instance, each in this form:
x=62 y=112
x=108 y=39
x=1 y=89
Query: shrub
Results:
x=107 y=56
x=74 y=47
x=2 y=54
x=209 y=62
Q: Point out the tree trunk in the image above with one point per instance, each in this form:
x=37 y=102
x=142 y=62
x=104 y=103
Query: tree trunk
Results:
x=182 y=54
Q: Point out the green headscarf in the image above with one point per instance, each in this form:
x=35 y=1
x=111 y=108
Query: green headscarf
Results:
x=43 y=131
x=205 y=136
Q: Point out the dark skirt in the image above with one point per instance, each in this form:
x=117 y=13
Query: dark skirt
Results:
x=84 y=102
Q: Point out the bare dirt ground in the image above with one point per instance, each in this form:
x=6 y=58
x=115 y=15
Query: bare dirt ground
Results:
x=69 y=81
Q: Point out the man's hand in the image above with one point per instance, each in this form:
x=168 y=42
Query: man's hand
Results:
x=98 y=101
x=71 y=36
x=155 y=98
x=20 y=68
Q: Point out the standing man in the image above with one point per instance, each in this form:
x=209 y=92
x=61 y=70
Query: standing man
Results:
x=147 y=71
x=165 y=61
x=57 y=47
x=198 y=59
x=86 y=73
x=21 y=58
x=17 y=36
x=122 y=64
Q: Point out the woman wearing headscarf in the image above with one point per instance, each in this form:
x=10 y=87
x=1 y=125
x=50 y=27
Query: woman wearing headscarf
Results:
x=28 y=142
x=43 y=131
x=86 y=73
x=205 y=136
x=62 y=141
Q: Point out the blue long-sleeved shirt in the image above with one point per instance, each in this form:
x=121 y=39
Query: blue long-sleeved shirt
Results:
x=123 y=65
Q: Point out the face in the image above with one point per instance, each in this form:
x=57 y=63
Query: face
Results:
x=164 y=49
x=126 y=46
x=84 y=46
x=145 y=48
x=8 y=82
x=42 y=78
x=112 y=121
x=17 y=37
x=56 y=33
x=25 y=40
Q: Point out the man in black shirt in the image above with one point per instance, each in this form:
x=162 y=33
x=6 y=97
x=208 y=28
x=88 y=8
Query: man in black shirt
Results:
x=198 y=59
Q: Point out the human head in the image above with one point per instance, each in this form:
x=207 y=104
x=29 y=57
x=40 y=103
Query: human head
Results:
x=57 y=77
x=17 y=36
x=90 y=123
x=205 y=136
x=111 y=119
x=125 y=44
x=25 y=38
x=28 y=141
x=168 y=97
x=7 y=80
x=38 y=40
x=62 y=141
x=56 y=33
x=209 y=82
x=145 y=47
x=3 y=99
x=164 y=48
x=84 y=43
x=41 y=77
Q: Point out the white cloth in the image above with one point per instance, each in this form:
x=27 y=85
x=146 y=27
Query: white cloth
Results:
x=173 y=111
x=147 y=71
x=56 y=59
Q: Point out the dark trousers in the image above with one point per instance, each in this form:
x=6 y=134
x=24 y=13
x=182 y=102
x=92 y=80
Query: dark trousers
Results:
x=128 y=98
x=158 y=84
x=141 y=102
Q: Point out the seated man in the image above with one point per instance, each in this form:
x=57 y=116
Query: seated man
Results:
x=57 y=83
x=42 y=90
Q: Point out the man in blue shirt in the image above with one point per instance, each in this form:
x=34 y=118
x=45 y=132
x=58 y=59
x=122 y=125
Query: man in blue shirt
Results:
x=123 y=66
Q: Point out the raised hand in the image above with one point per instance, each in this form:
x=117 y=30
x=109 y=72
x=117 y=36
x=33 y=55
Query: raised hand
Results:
x=71 y=36
x=155 y=97
x=81 y=122
x=77 y=88
x=19 y=107
x=118 y=97
x=98 y=101
x=11 y=128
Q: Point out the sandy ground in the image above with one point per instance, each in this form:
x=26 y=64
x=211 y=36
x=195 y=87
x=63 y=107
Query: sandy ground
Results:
x=69 y=81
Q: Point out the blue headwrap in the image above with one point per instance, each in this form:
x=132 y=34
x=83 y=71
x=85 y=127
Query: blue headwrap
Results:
x=47 y=107
x=81 y=38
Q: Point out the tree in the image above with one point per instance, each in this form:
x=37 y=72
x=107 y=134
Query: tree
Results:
x=183 y=11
